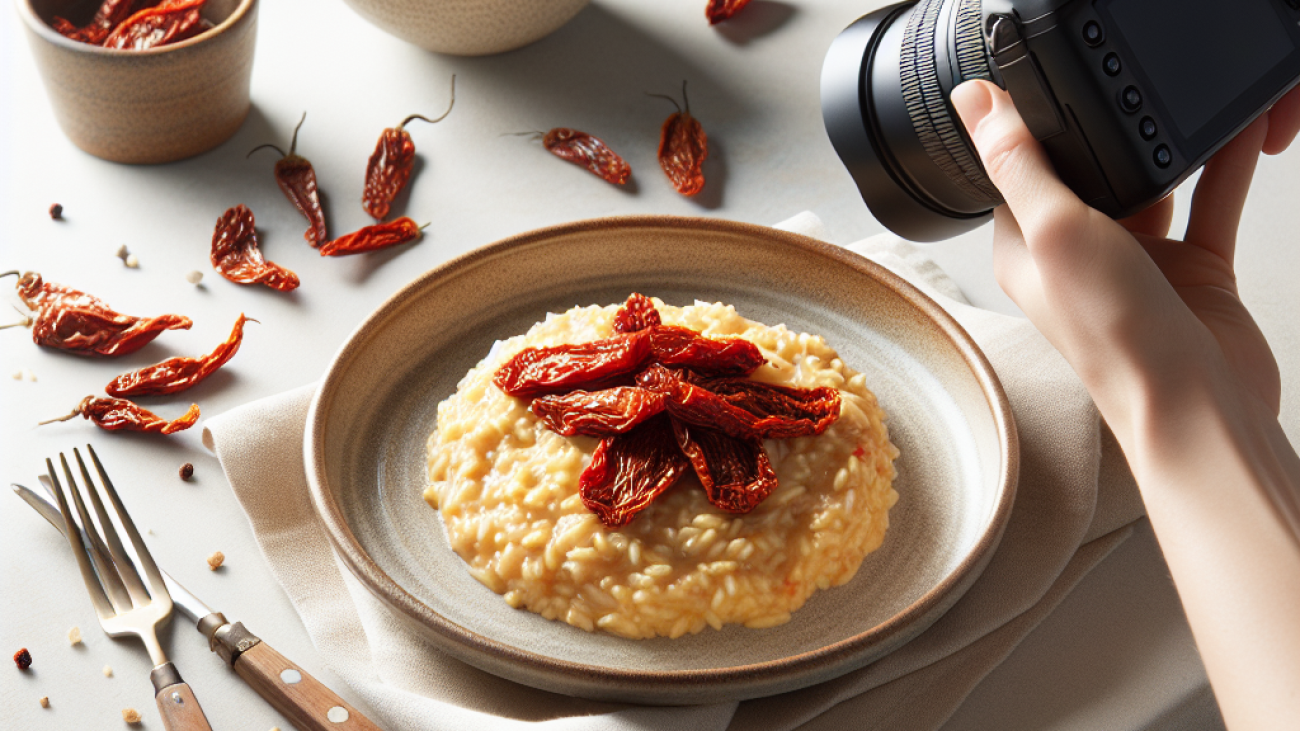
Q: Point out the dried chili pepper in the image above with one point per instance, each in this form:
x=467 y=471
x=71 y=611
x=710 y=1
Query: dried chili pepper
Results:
x=374 y=237
x=236 y=255
x=391 y=163
x=629 y=471
x=297 y=180
x=71 y=320
x=736 y=474
x=720 y=10
x=114 y=414
x=538 y=371
x=177 y=374
x=168 y=22
x=638 y=313
x=590 y=152
x=683 y=147
x=597 y=413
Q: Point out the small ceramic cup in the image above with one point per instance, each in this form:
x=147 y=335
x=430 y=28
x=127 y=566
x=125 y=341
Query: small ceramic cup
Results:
x=152 y=106
x=468 y=27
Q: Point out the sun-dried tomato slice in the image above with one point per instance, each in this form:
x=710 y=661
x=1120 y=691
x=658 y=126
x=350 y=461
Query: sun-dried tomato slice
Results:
x=628 y=471
x=597 y=413
x=590 y=152
x=169 y=22
x=742 y=408
x=682 y=346
x=736 y=473
x=720 y=10
x=587 y=366
x=638 y=313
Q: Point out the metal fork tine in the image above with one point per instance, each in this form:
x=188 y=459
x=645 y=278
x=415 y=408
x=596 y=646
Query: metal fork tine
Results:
x=126 y=568
x=156 y=586
x=103 y=607
x=100 y=554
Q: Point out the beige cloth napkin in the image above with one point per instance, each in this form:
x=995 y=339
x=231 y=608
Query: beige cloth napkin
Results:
x=1074 y=504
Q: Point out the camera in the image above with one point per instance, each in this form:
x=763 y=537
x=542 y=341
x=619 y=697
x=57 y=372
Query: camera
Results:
x=1128 y=97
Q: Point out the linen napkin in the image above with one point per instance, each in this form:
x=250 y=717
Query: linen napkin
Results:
x=1074 y=504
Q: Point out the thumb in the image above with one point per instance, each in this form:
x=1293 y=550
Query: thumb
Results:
x=1044 y=208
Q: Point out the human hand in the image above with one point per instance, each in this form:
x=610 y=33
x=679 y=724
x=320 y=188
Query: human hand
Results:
x=1143 y=319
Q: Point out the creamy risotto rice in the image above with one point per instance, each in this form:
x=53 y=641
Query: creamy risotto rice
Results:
x=507 y=490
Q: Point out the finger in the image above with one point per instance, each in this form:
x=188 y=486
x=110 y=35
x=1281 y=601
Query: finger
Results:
x=1221 y=192
x=1013 y=267
x=1154 y=221
x=1283 y=122
x=1046 y=211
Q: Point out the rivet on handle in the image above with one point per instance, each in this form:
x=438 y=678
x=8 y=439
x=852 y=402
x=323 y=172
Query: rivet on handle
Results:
x=177 y=699
x=337 y=714
x=290 y=676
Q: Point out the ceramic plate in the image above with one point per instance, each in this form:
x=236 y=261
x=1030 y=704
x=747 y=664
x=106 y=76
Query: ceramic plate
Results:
x=365 y=450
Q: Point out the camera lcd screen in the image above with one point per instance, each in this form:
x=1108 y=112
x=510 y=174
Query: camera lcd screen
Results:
x=1201 y=54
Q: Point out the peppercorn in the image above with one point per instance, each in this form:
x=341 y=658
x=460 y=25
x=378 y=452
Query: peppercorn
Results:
x=23 y=658
x=187 y=471
x=56 y=212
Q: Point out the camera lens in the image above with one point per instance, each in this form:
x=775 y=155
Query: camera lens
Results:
x=885 y=87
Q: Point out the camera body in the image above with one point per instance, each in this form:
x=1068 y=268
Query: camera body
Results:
x=1128 y=97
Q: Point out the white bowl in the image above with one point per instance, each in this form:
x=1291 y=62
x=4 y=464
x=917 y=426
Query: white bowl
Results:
x=468 y=27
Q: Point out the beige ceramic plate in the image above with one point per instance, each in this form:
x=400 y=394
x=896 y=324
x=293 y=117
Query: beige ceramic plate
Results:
x=947 y=414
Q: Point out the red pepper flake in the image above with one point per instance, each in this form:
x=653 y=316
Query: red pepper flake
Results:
x=56 y=212
x=374 y=237
x=590 y=152
x=391 y=163
x=71 y=320
x=114 y=414
x=720 y=10
x=237 y=256
x=671 y=417
x=169 y=22
x=23 y=659
x=297 y=180
x=860 y=452
x=683 y=147
x=177 y=374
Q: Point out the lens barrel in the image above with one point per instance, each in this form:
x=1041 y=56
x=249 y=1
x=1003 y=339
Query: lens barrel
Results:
x=885 y=86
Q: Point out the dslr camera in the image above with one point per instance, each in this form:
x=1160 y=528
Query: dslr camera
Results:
x=1128 y=97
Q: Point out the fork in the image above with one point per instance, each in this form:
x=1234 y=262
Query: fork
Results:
x=117 y=588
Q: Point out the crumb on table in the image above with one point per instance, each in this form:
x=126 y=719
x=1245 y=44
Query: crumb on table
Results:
x=108 y=671
x=74 y=636
x=215 y=560
x=45 y=701
x=130 y=715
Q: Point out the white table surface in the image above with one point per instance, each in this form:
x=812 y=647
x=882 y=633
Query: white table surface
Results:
x=1117 y=654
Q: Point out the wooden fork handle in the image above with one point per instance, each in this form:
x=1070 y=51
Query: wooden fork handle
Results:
x=176 y=702
x=308 y=704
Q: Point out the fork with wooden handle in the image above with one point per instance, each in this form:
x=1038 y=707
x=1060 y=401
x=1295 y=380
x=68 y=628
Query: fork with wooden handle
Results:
x=308 y=703
x=117 y=585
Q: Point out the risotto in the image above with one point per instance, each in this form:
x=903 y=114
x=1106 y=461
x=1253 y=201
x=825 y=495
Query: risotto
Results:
x=507 y=490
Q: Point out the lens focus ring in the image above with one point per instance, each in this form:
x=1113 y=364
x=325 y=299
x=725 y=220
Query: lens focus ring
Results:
x=924 y=95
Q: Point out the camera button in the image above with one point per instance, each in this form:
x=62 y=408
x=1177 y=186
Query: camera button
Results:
x=1111 y=64
x=1093 y=35
x=1147 y=128
x=1162 y=156
x=1130 y=99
